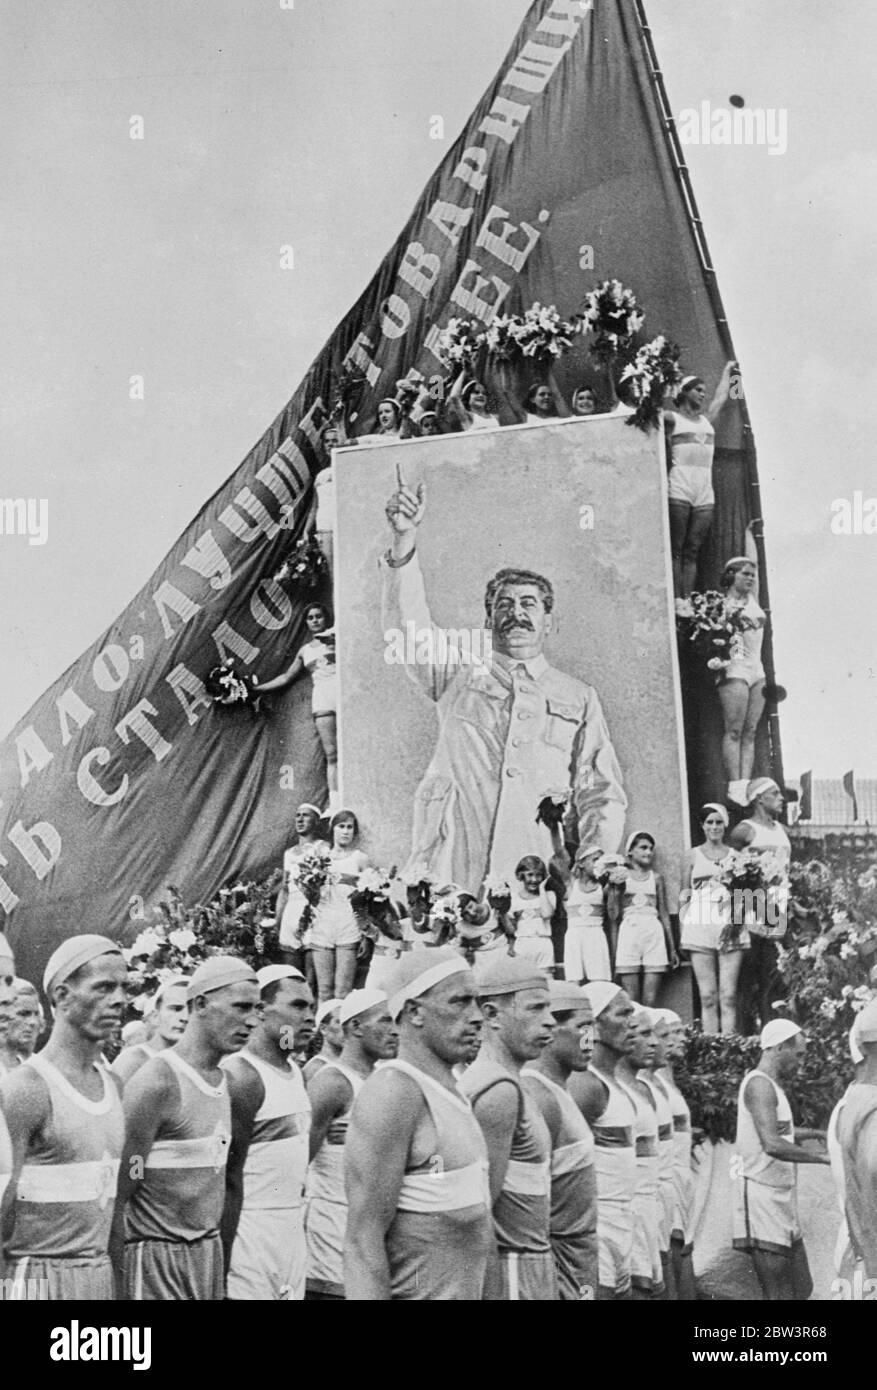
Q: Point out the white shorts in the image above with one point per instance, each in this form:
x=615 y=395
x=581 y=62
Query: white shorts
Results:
x=645 y=1260
x=641 y=944
x=703 y=920
x=691 y=483
x=744 y=668
x=614 y=1244
x=585 y=953
x=765 y=1218
x=538 y=949
x=324 y=697
x=269 y=1256
x=326 y=1227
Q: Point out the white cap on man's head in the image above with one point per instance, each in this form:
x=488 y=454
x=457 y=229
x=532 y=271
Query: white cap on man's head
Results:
x=754 y=789
x=327 y=1007
x=601 y=993
x=778 y=1031
x=866 y=1024
x=359 y=1001
x=216 y=972
x=72 y=954
x=269 y=973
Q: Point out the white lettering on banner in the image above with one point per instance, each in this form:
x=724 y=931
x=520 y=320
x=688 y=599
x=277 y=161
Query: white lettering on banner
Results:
x=395 y=317
x=573 y=11
x=470 y=299
x=90 y=787
x=135 y=722
x=498 y=245
x=358 y=357
x=70 y=704
x=504 y=119
x=271 y=478
x=450 y=219
x=26 y=842
x=168 y=596
x=33 y=755
x=8 y=899
x=263 y=522
x=207 y=560
x=227 y=640
x=110 y=667
x=419 y=268
x=534 y=66
x=431 y=342
x=184 y=683
x=271 y=617
x=310 y=424
x=471 y=167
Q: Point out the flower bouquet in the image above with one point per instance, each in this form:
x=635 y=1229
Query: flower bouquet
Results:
x=241 y=922
x=348 y=387
x=715 y=624
x=373 y=906
x=305 y=566
x=757 y=882
x=312 y=873
x=612 y=316
x=160 y=952
x=458 y=343
x=654 y=371
x=553 y=807
x=227 y=685
x=445 y=921
x=499 y=894
x=420 y=888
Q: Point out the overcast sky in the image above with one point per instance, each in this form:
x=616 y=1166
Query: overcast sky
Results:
x=266 y=126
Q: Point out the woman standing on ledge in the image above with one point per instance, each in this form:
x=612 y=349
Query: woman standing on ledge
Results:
x=691 y=442
x=705 y=917
x=741 y=691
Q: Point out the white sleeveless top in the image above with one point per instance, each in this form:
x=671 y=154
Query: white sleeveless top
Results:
x=277 y=1159
x=774 y=839
x=438 y=1189
x=614 y=1143
x=692 y=442
x=757 y=1165
x=584 y=906
x=325 y=1181
x=577 y=1147
x=530 y=921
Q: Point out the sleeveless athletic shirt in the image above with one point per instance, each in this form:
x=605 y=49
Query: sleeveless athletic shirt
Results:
x=614 y=1148
x=277 y=1159
x=683 y=1178
x=640 y=896
x=572 y=1163
x=182 y=1193
x=774 y=839
x=67 y=1187
x=757 y=1165
x=438 y=1242
x=584 y=906
x=326 y=1172
x=522 y=1211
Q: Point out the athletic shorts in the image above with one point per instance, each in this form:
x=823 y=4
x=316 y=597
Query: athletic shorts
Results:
x=325 y=1227
x=324 y=697
x=538 y=949
x=615 y=1245
x=585 y=954
x=61 y=1280
x=744 y=668
x=691 y=483
x=641 y=945
x=161 y=1271
x=646 y=1269
x=527 y=1278
x=269 y=1256
x=576 y=1260
x=703 y=920
x=765 y=1218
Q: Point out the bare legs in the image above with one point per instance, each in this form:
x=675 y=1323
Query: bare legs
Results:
x=327 y=735
x=335 y=967
x=742 y=707
x=689 y=527
x=717 y=974
x=648 y=993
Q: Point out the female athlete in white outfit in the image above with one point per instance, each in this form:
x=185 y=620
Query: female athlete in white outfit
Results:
x=317 y=659
x=741 y=690
x=531 y=913
x=645 y=949
x=690 y=445
x=705 y=918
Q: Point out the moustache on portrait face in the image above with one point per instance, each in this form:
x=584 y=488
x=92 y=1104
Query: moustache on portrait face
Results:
x=511 y=623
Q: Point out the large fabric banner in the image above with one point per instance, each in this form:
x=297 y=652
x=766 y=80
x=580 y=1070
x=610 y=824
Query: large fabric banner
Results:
x=123 y=777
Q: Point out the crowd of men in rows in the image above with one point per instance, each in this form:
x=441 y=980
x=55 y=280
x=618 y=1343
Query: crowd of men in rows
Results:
x=460 y=1135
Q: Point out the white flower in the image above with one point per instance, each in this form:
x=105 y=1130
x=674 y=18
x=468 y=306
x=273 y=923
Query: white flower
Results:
x=848 y=952
x=141 y=1002
x=803 y=952
x=182 y=938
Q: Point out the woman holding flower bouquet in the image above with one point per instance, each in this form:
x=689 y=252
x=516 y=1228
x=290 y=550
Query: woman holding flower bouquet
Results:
x=469 y=406
x=291 y=900
x=690 y=446
x=335 y=935
x=317 y=659
x=741 y=691
x=715 y=943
